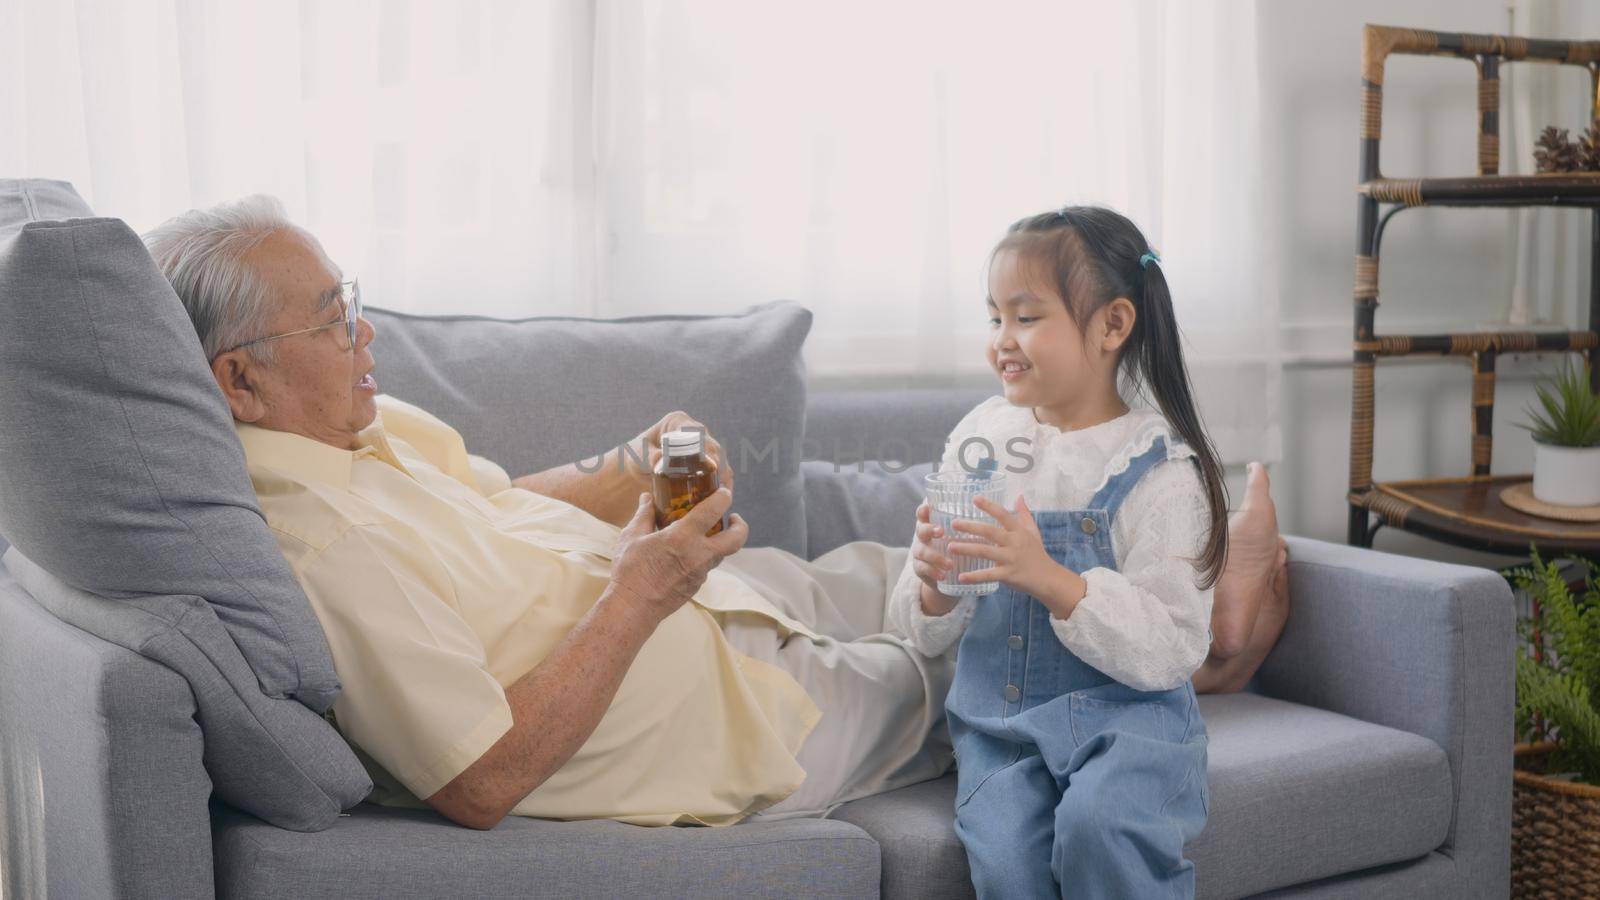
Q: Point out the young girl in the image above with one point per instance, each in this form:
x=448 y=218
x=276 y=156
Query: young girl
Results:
x=1081 y=754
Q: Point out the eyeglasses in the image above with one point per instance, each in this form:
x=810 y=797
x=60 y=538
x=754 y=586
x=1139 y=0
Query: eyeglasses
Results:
x=349 y=301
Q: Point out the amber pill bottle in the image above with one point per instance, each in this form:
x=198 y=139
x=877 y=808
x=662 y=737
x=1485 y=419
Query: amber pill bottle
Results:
x=683 y=477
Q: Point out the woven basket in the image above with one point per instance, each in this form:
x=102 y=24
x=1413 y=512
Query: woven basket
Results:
x=1555 y=831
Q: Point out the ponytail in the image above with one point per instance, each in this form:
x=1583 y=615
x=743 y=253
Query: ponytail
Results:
x=1098 y=255
x=1159 y=367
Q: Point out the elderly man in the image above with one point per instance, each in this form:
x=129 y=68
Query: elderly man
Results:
x=535 y=645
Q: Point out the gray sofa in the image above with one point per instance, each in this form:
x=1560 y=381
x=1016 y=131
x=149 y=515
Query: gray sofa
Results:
x=1370 y=758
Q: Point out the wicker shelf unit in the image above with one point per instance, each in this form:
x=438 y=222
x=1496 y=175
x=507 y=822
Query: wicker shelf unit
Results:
x=1464 y=511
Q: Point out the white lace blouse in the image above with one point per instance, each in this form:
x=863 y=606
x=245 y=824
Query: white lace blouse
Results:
x=1147 y=625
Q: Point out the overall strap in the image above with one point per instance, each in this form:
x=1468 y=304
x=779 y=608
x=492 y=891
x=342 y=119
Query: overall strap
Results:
x=1118 y=486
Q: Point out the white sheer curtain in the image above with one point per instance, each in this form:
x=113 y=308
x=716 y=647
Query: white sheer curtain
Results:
x=612 y=157
x=1548 y=282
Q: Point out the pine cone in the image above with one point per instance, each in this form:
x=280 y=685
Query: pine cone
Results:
x=1556 y=153
x=1569 y=158
x=1589 y=149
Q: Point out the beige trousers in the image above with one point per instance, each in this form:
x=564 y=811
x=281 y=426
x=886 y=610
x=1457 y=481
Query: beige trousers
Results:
x=882 y=702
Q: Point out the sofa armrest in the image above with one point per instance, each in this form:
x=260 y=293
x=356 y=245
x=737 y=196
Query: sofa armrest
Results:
x=1420 y=646
x=100 y=766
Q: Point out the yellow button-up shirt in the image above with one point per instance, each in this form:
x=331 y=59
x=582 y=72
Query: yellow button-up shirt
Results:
x=439 y=585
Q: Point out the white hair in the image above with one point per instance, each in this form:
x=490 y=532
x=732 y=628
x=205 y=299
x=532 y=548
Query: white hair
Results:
x=202 y=253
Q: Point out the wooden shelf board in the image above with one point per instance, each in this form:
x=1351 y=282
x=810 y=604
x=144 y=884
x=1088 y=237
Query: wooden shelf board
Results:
x=1552 y=189
x=1468 y=512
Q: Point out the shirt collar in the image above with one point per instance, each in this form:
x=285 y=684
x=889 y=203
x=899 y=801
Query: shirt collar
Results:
x=311 y=459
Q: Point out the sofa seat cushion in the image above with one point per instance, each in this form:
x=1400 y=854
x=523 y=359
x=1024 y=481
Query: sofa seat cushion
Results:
x=380 y=852
x=1297 y=794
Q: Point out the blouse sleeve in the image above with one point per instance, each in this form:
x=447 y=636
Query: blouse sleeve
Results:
x=1148 y=624
x=933 y=635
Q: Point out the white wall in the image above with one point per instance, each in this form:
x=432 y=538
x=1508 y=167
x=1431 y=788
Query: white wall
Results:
x=1442 y=270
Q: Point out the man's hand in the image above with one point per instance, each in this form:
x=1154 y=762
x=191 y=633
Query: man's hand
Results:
x=1018 y=556
x=660 y=570
x=678 y=420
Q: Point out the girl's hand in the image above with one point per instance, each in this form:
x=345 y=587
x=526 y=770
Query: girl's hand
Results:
x=1020 y=560
x=929 y=564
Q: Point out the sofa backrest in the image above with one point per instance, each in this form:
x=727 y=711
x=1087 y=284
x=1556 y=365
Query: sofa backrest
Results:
x=846 y=426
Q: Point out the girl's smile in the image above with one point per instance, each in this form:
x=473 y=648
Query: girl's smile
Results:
x=1013 y=370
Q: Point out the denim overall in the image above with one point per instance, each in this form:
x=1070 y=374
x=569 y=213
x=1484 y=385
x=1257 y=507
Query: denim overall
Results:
x=1069 y=783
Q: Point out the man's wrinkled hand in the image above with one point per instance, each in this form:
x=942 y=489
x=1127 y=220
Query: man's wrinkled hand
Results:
x=660 y=570
x=682 y=421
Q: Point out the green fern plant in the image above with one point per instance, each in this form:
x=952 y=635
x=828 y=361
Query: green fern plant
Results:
x=1557 y=693
x=1570 y=414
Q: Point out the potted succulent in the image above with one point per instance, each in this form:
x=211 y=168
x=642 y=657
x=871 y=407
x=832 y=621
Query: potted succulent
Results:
x=1566 y=439
x=1555 y=817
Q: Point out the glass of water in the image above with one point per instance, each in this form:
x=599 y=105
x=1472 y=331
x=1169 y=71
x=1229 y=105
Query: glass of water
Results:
x=950 y=497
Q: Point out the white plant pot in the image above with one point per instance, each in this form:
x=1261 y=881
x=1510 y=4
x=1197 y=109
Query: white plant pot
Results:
x=1566 y=476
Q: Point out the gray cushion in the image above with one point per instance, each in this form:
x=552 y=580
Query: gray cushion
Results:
x=540 y=392
x=1297 y=794
x=876 y=501
x=273 y=757
x=120 y=471
x=37 y=199
x=380 y=852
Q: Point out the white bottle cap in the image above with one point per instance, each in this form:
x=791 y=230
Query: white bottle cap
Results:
x=682 y=443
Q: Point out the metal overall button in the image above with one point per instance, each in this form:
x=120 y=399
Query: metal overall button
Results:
x=1012 y=693
x=1088 y=525
x=1014 y=642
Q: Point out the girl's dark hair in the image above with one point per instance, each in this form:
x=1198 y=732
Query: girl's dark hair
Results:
x=1092 y=256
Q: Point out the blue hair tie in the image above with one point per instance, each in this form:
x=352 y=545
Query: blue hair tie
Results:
x=1148 y=258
